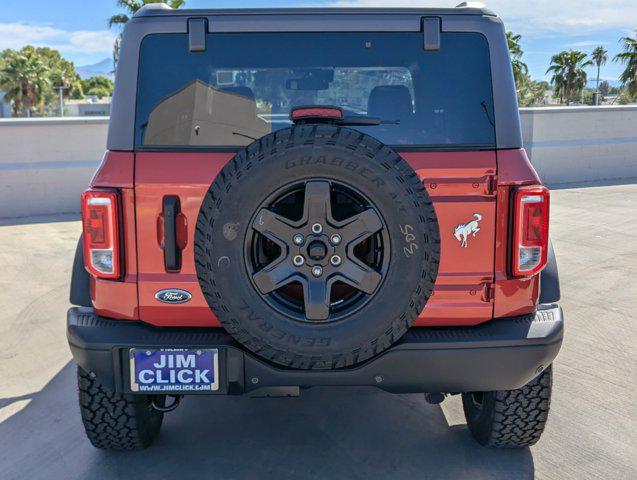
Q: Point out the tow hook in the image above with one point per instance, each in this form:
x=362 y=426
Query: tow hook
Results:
x=176 y=400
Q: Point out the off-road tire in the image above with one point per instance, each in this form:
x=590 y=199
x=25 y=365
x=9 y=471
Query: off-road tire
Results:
x=116 y=421
x=510 y=418
x=305 y=153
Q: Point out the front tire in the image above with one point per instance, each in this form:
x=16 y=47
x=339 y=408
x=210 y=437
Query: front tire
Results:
x=510 y=418
x=116 y=421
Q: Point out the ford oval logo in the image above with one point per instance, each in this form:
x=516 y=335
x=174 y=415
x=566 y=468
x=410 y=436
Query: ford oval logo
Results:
x=173 y=295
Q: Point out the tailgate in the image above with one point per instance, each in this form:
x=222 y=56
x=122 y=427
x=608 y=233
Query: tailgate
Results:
x=462 y=186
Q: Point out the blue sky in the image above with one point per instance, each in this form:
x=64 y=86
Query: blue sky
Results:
x=78 y=27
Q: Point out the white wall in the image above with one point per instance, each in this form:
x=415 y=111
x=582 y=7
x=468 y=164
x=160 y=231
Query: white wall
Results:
x=579 y=144
x=46 y=163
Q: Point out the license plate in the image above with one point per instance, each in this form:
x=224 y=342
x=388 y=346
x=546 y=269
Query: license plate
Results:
x=174 y=370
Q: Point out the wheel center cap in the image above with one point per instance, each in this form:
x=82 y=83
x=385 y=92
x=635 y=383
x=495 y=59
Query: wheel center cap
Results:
x=317 y=250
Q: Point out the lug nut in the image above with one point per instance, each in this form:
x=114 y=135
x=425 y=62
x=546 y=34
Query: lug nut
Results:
x=317 y=228
x=298 y=260
x=317 y=271
x=335 y=260
x=335 y=239
x=298 y=239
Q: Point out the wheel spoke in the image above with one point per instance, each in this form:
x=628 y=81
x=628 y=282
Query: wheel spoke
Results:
x=316 y=293
x=273 y=277
x=273 y=226
x=359 y=276
x=317 y=207
x=361 y=226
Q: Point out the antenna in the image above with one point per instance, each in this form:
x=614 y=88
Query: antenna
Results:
x=471 y=5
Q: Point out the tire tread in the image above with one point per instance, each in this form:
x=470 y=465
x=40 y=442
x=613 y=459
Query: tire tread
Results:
x=115 y=421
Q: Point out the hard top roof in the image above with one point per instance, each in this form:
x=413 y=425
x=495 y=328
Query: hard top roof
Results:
x=163 y=10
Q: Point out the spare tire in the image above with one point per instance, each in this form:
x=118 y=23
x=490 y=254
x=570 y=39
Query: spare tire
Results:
x=317 y=247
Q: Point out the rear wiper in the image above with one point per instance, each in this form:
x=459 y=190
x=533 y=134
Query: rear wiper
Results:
x=364 y=120
x=244 y=135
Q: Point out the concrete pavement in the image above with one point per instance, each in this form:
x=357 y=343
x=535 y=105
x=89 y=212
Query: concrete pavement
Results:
x=327 y=433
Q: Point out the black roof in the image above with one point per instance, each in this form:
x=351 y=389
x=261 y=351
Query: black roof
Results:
x=161 y=9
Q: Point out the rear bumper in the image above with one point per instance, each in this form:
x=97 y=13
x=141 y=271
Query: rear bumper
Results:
x=502 y=354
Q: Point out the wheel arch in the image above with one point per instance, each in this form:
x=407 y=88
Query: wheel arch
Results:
x=549 y=279
x=80 y=280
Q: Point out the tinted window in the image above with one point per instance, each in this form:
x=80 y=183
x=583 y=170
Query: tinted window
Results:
x=244 y=85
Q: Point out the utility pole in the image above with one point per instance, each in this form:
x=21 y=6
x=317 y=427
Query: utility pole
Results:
x=60 y=90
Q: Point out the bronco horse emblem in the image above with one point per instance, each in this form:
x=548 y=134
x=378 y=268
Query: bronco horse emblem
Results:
x=463 y=231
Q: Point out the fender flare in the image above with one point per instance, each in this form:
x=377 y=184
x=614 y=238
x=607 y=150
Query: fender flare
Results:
x=80 y=279
x=549 y=279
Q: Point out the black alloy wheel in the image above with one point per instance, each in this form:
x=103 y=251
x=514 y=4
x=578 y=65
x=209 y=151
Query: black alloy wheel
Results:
x=318 y=250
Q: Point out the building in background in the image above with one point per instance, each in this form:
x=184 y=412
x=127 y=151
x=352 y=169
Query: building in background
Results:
x=88 y=107
x=6 y=109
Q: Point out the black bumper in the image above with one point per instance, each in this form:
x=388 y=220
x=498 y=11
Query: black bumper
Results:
x=501 y=354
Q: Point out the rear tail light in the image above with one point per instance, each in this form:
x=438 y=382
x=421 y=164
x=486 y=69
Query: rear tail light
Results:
x=100 y=223
x=530 y=230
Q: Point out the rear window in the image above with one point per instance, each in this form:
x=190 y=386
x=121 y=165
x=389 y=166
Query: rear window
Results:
x=244 y=86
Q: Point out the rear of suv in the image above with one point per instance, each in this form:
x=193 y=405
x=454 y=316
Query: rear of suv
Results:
x=314 y=197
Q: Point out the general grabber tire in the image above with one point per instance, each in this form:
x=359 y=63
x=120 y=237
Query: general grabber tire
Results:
x=317 y=247
x=116 y=421
x=510 y=418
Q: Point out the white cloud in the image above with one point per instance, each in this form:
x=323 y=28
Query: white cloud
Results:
x=540 y=17
x=586 y=43
x=74 y=42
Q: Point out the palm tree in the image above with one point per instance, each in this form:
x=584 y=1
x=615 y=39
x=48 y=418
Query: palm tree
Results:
x=519 y=67
x=132 y=6
x=24 y=79
x=629 y=57
x=569 y=77
x=599 y=56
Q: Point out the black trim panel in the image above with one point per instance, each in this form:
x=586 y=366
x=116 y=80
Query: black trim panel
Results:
x=500 y=354
x=550 y=279
x=80 y=280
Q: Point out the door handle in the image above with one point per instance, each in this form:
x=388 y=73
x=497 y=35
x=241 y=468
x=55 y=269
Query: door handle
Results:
x=172 y=252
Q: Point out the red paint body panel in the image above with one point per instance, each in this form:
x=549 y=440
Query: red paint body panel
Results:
x=513 y=296
x=115 y=171
x=460 y=184
x=472 y=285
x=114 y=298
x=188 y=176
x=514 y=168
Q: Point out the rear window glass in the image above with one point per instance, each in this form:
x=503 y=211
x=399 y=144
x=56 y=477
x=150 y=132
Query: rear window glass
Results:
x=244 y=85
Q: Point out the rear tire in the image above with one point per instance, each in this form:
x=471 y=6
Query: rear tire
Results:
x=510 y=418
x=116 y=421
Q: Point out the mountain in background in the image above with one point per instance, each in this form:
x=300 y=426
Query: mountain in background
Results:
x=103 y=68
x=592 y=81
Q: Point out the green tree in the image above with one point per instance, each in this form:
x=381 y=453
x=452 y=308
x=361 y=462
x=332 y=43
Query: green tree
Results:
x=599 y=56
x=24 y=77
x=629 y=58
x=99 y=86
x=30 y=76
x=61 y=74
x=569 y=77
x=604 y=87
x=531 y=92
x=131 y=7
x=520 y=69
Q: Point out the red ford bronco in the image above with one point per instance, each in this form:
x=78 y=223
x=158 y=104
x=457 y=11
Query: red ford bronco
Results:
x=293 y=198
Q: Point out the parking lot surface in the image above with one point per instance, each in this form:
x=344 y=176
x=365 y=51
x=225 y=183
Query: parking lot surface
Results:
x=334 y=433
